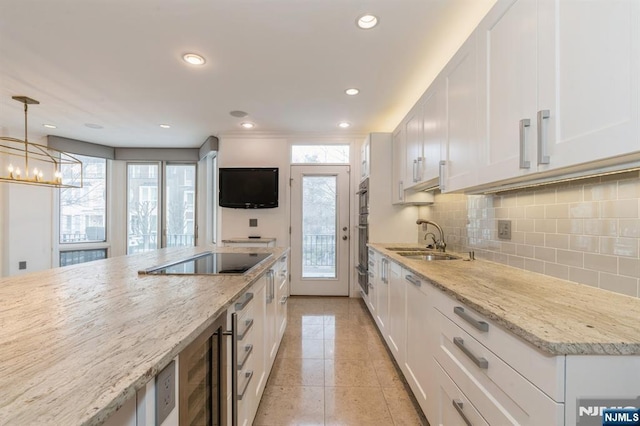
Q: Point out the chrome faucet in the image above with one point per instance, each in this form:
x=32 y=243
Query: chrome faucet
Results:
x=440 y=244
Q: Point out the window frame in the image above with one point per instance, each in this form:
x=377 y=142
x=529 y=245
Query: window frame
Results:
x=59 y=246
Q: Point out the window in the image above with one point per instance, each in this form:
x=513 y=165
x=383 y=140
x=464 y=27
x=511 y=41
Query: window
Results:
x=83 y=211
x=142 y=207
x=320 y=154
x=160 y=212
x=71 y=257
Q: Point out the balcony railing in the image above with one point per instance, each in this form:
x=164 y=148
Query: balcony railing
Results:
x=148 y=242
x=319 y=256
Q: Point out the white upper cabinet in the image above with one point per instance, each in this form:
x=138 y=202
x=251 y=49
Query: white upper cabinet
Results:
x=365 y=159
x=398 y=166
x=507 y=90
x=462 y=141
x=558 y=85
x=588 y=79
x=425 y=136
x=413 y=146
x=434 y=122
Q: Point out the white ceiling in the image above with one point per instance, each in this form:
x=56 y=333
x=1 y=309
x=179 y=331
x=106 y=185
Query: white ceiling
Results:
x=117 y=63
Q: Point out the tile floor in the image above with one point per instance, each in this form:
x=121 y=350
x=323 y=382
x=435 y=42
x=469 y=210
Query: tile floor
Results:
x=333 y=369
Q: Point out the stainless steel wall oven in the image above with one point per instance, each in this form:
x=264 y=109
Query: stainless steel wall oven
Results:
x=363 y=235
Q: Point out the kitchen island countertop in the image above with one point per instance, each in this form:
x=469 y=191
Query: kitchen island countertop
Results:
x=77 y=342
x=556 y=316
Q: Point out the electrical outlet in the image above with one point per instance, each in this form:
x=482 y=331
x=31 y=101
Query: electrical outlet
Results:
x=253 y=222
x=165 y=392
x=22 y=264
x=504 y=229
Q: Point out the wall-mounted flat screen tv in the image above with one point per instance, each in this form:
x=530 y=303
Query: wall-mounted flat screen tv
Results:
x=248 y=188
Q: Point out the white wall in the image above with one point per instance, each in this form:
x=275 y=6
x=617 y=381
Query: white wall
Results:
x=26 y=228
x=257 y=152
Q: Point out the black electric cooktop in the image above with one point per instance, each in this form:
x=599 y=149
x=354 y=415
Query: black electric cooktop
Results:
x=210 y=263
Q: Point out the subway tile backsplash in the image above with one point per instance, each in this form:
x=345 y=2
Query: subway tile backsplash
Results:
x=587 y=231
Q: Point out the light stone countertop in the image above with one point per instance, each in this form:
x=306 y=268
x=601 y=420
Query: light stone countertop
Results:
x=77 y=342
x=556 y=316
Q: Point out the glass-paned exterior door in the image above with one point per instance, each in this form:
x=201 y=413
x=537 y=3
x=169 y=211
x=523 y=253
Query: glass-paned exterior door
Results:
x=320 y=230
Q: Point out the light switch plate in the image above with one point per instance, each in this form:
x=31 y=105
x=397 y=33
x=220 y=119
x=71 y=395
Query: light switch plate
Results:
x=165 y=392
x=504 y=229
x=22 y=264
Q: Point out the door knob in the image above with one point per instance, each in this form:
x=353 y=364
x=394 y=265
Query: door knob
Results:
x=344 y=237
x=344 y=228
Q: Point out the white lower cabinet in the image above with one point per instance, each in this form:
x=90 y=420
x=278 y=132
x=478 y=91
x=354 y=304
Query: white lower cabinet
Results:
x=282 y=297
x=370 y=298
x=382 y=309
x=501 y=394
x=396 y=332
x=418 y=371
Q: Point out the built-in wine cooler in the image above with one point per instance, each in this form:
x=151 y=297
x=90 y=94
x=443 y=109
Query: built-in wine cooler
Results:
x=202 y=377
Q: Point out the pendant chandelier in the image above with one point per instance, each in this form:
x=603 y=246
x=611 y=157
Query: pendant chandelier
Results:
x=29 y=163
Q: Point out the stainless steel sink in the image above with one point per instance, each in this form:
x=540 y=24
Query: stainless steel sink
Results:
x=429 y=256
x=409 y=249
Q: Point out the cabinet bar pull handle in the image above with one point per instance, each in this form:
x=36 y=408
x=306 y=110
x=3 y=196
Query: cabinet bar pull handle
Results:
x=543 y=158
x=420 y=166
x=248 y=324
x=413 y=280
x=247 y=351
x=415 y=163
x=479 y=361
x=441 y=174
x=248 y=375
x=400 y=190
x=458 y=406
x=524 y=123
x=480 y=325
x=284 y=300
x=247 y=298
x=234 y=367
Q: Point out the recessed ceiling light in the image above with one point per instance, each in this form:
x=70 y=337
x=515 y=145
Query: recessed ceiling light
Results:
x=93 y=126
x=50 y=126
x=352 y=92
x=343 y=124
x=239 y=114
x=165 y=126
x=193 y=59
x=367 y=21
x=247 y=125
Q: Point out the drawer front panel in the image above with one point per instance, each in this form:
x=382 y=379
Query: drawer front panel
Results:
x=454 y=408
x=500 y=393
x=544 y=371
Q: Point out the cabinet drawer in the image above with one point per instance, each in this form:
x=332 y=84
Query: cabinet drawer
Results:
x=500 y=393
x=544 y=371
x=454 y=409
